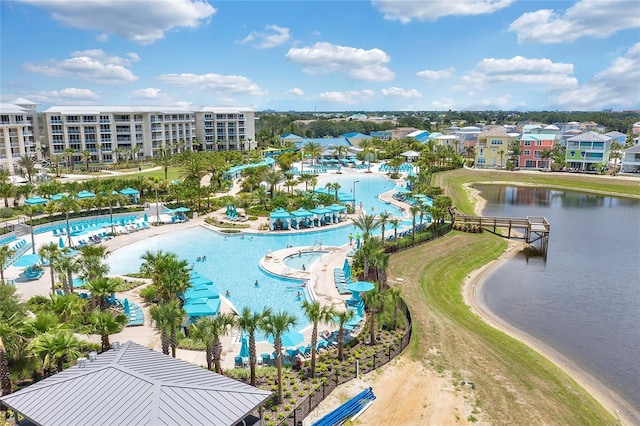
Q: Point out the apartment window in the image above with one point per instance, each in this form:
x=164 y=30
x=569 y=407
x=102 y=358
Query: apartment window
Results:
x=4 y=119
x=19 y=119
x=88 y=119
x=496 y=142
x=73 y=119
x=527 y=143
x=539 y=143
x=481 y=161
x=526 y=152
x=56 y=119
x=104 y=119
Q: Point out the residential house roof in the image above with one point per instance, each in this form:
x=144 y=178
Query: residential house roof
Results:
x=589 y=137
x=538 y=136
x=11 y=109
x=136 y=385
x=615 y=134
x=356 y=135
x=493 y=131
x=324 y=142
x=22 y=101
x=633 y=150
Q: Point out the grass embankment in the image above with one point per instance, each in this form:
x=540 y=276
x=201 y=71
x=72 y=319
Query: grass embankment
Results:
x=453 y=182
x=513 y=383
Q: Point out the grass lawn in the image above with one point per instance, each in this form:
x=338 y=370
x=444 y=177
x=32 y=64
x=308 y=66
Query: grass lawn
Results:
x=513 y=383
x=452 y=182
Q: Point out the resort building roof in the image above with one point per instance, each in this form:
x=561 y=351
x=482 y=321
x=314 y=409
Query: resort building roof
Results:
x=136 y=385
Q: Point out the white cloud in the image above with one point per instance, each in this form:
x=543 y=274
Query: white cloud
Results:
x=94 y=65
x=523 y=71
x=586 y=18
x=70 y=95
x=443 y=104
x=151 y=94
x=235 y=84
x=436 y=75
x=406 y=11
x=102 y=38
x=295 y=92
x=345 y=98
x=617 y=85
x=360 y=64
x=142 y=21
x=504 y=102
x=397 y=92
x=274 y=36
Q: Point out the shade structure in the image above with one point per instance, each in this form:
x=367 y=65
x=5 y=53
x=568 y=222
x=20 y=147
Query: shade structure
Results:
x=202 y=307
x=290 y=339
x=402 y=190
x=361 y=286
x=301 y=212
x=337 y=208
x=199 y=280
x=59 y=196
x=146 y=218
x=201 y=292
x=244 y=348
x=182 y=210
x=34 y=201
x=125 y=306
x=168 y=211
x=279 y=214
x=129 y=191
x=27 y=260
x=419 y=196
x=60 y=242
x=85 y=194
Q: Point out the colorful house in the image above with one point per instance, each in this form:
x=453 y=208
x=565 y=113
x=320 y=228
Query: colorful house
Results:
x=586 y=150
x=631 y=160
x=531 y=150
x=492 y=149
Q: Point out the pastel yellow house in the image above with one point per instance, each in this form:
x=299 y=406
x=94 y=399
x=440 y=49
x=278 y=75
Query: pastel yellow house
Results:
x=492 y=148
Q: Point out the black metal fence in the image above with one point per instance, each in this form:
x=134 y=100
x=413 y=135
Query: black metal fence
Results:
x=380 y=357
x=431 y=233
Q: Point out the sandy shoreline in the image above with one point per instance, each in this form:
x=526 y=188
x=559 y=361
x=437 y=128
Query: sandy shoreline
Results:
x=472 y=287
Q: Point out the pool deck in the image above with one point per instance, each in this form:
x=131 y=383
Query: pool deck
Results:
x=320 y=278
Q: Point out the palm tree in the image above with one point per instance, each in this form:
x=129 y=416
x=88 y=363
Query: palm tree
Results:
x=65 y=205
x=164 y=316
x=382 y=219
x=546 y=155
x=70 y=154
x=275 y=325
x=216 y=327
x=367 y=224
x=164 y=159
x=66 y=266
x=52 y=253
x=68 y=307
x=395 y=224
x=272 y=178
x=203 y=333
x=340 y=319
x=373 y=302
x=415 y=210
x=100 y=289
x=7 y=190
x=192 y=166
x=55 y=349
x=5 y=254
x=105 y=323
x=56 y=159
x=249 y=322
x=314 y=149
x=86 y=156
x=316 y=313
x=28 y=166
x=395 y=296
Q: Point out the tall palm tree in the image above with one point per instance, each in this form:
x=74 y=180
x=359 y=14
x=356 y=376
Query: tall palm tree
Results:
x=366 y=224
x=316 y=313
x=216 y=327
x=382 y=219
x=66 y=205
x=68 y=307
x=395 y=296
x=7 y=190
x=367 y=148
x=395 y=224
x=66 y=266
x=415 y=210
x=52 y=253
x=272 y=178
x=56 y=159
x=341 y=319
x=5 y=255
x=275 y=325
x=373 y=302
x=164 y=159
x=314 y=149
x=28 y=165
x=249 y=322
x=165 y=316
x=54 y=349
x=70 y=153
x=105 y=323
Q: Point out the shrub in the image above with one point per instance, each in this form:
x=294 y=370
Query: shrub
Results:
x=149 y=293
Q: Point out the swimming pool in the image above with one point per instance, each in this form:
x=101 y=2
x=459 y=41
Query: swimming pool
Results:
x=233 y=261
x=303 y=260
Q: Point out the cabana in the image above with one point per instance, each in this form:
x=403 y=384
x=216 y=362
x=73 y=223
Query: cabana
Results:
x=411 y=155
x=324 y=216
x=196 y=308
x=339 y=212
x=279 y=219
x=301 y=218
x=132 y=384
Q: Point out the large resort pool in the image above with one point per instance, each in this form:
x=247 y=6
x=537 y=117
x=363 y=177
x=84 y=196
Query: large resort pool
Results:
x=232 y=260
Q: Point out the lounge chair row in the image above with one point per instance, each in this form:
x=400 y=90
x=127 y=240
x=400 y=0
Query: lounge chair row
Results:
x=19 y=249
x=341 y=281
x=7 y=240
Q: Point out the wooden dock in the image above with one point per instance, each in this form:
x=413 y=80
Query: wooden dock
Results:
x=530 y=229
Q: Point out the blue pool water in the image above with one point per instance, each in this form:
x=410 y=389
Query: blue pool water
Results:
x=307 y=259
x=233 y=261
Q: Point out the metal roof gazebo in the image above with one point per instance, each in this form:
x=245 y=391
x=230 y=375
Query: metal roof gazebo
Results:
x=132 y=384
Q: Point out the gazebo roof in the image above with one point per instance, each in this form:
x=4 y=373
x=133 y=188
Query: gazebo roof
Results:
x=136 y=385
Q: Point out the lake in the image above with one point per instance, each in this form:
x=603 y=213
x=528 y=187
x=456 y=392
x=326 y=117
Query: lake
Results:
x=583 y=299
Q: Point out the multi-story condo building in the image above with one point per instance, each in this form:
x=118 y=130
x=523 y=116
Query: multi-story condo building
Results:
x=110 y=133
x=532 y=147
x=586 y=150
x=18 y=133
x=226 y=129
x=492 y=148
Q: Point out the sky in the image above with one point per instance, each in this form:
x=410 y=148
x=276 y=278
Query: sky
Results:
x=377 y=55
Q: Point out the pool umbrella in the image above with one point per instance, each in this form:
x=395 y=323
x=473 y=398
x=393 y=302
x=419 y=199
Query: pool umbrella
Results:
x=290 y=339
x=34 y=201
x=146 y=218
x=59 y=196
x=182 y=210
x=125 y=306
x=61 y=243
x=129 y=191
x=244 y=348
x=361 y=286
x=346 y=269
